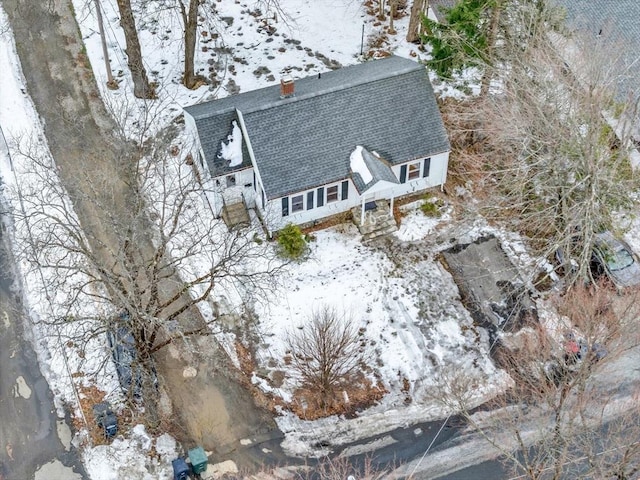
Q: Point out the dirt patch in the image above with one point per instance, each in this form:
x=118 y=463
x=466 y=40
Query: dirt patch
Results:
x=355 y=396
x=90 y=396
x=206 y=406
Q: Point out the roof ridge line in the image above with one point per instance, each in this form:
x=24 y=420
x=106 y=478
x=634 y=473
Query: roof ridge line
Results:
x=341 y=87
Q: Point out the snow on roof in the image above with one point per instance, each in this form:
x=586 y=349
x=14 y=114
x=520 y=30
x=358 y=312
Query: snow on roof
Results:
x=356 y=162
x=232 y=150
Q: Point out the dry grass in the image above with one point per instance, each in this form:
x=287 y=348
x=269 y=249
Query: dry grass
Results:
x=360 y=392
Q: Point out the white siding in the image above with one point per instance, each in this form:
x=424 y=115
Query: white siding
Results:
x=273 y=212
x=437 y=176
x=243 y=187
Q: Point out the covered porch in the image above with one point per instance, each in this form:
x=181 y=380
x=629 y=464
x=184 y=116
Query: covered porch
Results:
x=377 y=185
x=374 y=218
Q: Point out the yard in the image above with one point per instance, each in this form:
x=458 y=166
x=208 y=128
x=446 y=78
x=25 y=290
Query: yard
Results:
x=404 y=303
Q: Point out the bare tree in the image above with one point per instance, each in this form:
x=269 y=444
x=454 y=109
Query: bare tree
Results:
x=569 y=159
x=393 y=12
x=189 y=13
x=111 y=82
x=141 y=86
x=553 y=145
x=418 y=9
x=327 y=354
x=381 y=9
x=560 y=412
x=155 y=258
x=190 y=21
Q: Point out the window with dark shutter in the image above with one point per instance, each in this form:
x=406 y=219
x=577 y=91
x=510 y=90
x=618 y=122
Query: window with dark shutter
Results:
x=413 y=171
x=320 y=196
x=332 y=193
x=285 y=206
x=310 y=200
x=403 y=174
x=264 y=198
x=345 y=189
x=427 y=167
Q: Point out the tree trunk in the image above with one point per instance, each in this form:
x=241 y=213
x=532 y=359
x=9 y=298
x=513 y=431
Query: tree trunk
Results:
x=111 y=83
x=381 y=15
x=415 y=20
x=393 y=8
x=492 y=35
x=190 y=21
x=141 y=87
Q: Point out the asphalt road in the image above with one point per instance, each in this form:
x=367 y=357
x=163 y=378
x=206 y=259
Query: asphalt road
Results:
x=34 y=442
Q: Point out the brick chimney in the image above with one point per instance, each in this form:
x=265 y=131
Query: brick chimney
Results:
x=286 y=86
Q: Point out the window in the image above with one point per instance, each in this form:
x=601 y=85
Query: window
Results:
x=297 y=203
x=414 y=171
x=332 y=194
x=231 y=180
x=285 y=206
x=310 y=200
x=320 y=196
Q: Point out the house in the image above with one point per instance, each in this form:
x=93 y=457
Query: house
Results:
x=315 y=147
x=437 y=9
x=615 y=27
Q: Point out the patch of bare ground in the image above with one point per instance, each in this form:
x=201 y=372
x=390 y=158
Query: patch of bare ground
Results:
x=248 y=366
x=90 y=396
x=469 y=162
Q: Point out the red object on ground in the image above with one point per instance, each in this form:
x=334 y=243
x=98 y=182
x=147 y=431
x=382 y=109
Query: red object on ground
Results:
x=572 y=347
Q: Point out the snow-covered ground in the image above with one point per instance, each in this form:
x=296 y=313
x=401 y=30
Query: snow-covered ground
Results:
x=243 y=45
x=408 y=307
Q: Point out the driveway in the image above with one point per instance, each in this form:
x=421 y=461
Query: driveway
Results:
x=77 y=128
x=489 y=284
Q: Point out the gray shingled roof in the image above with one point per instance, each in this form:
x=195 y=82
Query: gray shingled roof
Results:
x=378 y=169
x=439 y=7
x=618 y=22
x=305 y=141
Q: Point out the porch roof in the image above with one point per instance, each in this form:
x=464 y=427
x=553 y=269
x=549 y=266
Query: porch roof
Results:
x=379 y=169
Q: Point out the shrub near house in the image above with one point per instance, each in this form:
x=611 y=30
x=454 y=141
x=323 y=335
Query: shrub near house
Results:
x=292 y=242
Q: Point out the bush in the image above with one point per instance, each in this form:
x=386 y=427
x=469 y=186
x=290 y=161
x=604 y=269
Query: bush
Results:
x=431 y=207
x=292 y=242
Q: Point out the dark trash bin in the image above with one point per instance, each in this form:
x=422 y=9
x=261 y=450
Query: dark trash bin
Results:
x=106 y=419
x=180 y=469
